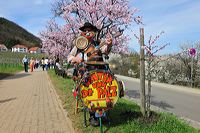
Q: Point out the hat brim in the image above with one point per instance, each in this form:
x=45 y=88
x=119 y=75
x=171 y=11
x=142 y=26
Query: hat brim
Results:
x=91 y=27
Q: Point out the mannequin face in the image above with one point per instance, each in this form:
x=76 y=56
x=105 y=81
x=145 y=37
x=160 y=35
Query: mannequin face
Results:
x=88 y=33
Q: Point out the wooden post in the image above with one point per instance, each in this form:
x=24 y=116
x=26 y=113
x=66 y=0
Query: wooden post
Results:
x=142 y=73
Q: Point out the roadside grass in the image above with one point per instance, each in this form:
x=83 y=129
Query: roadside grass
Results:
x=125 y=116
x=9 y=69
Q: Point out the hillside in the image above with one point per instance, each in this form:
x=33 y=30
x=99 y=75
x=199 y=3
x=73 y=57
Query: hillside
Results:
x=11 y=34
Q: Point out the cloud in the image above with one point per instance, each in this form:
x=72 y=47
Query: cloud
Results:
x=2 y=15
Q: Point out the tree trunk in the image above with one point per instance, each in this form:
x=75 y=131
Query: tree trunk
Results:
x=149 y=88
x=142 y=73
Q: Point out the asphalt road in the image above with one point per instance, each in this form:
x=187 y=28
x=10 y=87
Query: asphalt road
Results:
x=182 y=101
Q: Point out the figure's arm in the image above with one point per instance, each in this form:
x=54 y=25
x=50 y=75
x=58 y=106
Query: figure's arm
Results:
x=107 y=48
x=72 y=54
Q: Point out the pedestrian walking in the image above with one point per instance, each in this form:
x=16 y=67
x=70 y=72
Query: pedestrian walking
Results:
x=50 y=63
x=37 y=63
x=56 y=61
x=25 y=62
x=32 y=63
x=46 y=62
x=42 y=63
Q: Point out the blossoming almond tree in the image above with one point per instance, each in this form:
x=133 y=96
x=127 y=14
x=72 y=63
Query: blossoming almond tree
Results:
x=54 y=40
x=109 y=16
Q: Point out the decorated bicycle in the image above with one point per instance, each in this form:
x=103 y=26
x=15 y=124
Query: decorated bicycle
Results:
x=96 y=86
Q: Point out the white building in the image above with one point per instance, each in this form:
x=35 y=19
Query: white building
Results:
x=35 y=50
x=20 y=48
x=3 y=47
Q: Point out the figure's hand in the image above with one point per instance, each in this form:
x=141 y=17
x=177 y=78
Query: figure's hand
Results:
x=109 y=45
x=76 y=60
x=109 y=41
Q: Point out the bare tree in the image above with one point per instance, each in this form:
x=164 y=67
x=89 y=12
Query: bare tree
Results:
x=151 y=61
x=152 y=49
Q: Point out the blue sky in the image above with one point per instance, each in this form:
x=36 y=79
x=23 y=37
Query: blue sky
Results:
x=30 y=14
x=179 y=19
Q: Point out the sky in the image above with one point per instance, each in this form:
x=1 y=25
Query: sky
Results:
x=179 y=19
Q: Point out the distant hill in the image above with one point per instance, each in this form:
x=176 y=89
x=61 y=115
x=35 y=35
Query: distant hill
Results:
x=11 y=34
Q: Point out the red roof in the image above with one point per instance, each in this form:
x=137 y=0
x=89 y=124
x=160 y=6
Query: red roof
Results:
x=34 y=49
x=3 y=46
x=19 y=46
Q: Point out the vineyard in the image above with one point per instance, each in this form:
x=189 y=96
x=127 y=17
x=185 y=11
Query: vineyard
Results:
x=15 y=59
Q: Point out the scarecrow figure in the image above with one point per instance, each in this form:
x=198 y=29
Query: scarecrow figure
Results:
x=87 y=49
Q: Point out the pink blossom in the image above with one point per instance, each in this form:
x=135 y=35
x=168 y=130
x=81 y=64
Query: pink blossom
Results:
x=107 y=15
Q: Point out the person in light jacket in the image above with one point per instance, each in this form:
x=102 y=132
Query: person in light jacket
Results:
x=25 y=62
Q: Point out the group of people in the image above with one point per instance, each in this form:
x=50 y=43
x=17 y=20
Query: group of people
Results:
x=45 y=63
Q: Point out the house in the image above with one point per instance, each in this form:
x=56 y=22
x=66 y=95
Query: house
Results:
x=20 y=48
x=35 y=50
x=3 y=47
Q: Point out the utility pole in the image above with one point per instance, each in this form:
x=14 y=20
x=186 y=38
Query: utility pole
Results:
x=142 y=73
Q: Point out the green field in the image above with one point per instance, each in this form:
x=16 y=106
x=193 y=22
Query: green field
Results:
x=125 y=117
